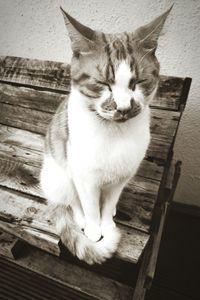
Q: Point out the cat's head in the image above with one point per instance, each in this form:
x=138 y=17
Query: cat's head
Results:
x=117 y=74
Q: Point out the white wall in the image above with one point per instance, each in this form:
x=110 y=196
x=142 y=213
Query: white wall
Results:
x=35 y=29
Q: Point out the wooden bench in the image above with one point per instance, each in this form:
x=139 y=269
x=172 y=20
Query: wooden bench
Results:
x=30 y=91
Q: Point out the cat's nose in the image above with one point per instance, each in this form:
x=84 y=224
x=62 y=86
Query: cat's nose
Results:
x=125 y=110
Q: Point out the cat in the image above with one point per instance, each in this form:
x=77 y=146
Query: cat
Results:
x=99 y=134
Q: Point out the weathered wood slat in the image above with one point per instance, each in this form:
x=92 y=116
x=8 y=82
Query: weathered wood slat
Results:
x=37 y=122
x=169 y=93
x=26 y=217
x=45 y=74
x=46 y=101
x=27 y=147
x=23 y=108
x=163 y=124
x=33 y=120
x=22 y=216
x=30 y=92
x=82 y=283
x=135 y=206
x=56 y=76
x=20 y=167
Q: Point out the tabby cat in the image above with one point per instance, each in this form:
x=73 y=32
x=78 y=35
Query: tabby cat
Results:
x=99 y=134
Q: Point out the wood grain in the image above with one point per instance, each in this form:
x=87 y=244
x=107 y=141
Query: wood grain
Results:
x=136 y=202
x=28 y=218
x=169 y=93
x=20 y=107
x=21 y=157
x=30 y=92
x=81 y=283
x=45 y=74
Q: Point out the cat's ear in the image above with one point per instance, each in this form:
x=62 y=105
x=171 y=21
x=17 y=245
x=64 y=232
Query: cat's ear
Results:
x=83 y=38
x=148 y=34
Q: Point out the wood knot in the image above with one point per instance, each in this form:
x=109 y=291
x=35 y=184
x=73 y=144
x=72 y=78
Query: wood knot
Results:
x=32 y=210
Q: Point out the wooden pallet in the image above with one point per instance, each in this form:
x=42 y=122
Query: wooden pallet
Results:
x=30 y=92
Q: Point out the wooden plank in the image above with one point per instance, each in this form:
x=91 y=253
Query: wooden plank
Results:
x=24 y=146
x=32 y=98
x=33 y=72
x=159 y=149
x=20 y=162
x=163 y=123
x=169 y=93
x=21 y=143
x=10 y=246
x=140 y=291
x=173 y=176
x=156 y=240
x=48 y=102
x=23 y=217
x=81 y=283
x=20 y=177
x=150 y=169
x=26 y=216
x=26 y=116
x=136 y=202
x=55 y=75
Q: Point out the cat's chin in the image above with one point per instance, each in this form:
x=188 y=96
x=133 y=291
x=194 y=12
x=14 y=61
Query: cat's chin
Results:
x=126 y=118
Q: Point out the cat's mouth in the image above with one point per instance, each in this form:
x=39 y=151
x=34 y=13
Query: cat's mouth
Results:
x=117 y=116
x=120 y=117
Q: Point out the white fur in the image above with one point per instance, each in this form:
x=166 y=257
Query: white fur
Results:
x=101 y=157
x=103 y=152
x=121 y=93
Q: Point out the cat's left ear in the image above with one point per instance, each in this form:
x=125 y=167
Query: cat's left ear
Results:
x=148 y=35
x=83 y=38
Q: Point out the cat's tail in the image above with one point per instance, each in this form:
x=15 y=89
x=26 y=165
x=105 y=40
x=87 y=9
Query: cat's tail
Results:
x=78 y=244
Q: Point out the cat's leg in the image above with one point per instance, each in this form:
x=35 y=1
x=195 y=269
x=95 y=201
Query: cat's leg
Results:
x=110 y=197
x=54 y=182
x=78 y=213
x=59 y=189
x=89 y=196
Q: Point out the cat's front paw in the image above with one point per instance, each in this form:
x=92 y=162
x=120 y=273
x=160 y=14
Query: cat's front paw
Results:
x=93 y=232
x=79 y=219
x=107 y=226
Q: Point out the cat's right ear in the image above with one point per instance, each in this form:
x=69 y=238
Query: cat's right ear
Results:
x=83 y=38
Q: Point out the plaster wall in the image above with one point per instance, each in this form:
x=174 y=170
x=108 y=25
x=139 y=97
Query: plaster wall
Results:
x=35 y=29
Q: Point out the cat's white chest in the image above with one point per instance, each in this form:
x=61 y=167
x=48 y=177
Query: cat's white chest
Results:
x=102 y=151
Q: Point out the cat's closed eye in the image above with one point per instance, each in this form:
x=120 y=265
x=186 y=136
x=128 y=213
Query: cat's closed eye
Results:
x=105 y=84
x=97 y=88
x=133 y=82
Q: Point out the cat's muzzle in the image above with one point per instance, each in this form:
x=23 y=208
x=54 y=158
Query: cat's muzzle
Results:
x=122 y=116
